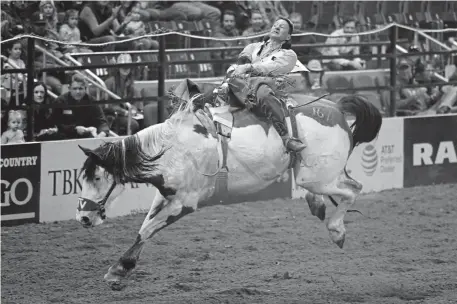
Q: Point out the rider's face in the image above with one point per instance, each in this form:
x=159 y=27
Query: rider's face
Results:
x=280 y=30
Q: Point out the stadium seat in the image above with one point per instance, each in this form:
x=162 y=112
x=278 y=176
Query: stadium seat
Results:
x=201 y=70
x=178 y=70
x=365 y=81
x=97 y=60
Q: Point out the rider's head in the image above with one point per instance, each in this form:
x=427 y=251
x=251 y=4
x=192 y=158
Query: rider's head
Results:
x=281 y=31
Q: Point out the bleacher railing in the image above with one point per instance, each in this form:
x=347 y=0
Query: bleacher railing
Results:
x=163 y=62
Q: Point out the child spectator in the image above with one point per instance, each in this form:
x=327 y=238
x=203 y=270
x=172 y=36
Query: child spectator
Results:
x=14 y=134
x=11 y=81
x=69 y=32
x=49 y=11
x=136 y=28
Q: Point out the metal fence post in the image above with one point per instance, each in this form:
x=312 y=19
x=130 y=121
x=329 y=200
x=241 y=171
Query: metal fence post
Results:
x=30 y=82
x=161 y=80
x=393 y=35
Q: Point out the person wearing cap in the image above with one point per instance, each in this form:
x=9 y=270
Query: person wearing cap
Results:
x=314 y=77
x=268 y=60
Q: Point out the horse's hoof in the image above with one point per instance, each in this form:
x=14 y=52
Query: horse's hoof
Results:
x=317 y=207
x=338 y=236
x=340 y=243
x=115 y=277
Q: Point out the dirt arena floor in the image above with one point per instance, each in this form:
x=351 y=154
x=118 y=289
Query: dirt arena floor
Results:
x=402 y=251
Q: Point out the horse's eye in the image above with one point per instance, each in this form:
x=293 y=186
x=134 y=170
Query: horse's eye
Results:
x=97 y=178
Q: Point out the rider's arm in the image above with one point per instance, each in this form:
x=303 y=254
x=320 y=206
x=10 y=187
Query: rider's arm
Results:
x=279 y=64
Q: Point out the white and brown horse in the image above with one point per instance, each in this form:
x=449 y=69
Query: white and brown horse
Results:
x=180 y=158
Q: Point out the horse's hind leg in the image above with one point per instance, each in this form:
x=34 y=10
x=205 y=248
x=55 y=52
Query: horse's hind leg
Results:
x=163 y=213
x=348 y=189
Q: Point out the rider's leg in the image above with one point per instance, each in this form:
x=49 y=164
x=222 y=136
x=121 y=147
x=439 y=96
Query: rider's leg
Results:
x=271 y=106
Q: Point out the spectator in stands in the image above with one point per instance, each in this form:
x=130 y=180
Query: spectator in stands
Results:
x=49 y=11
x=257 y=27
x=228 y=30
x=349 y=27
x=122 y=84
x=271 y=11
x=12 y=81
x=82 y=121
x=194 y=11
x=153 y=11
x=14 y=134
x=39 y=29
x=441 y=99
x=99 y=23
x=137 y=28
x=44 y=127
x=409 y=100
x=304 y=54
x=69 y=32
x=313 y=78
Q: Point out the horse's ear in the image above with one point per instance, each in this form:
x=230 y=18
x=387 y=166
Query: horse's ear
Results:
x=86 y=151
x=182 y=91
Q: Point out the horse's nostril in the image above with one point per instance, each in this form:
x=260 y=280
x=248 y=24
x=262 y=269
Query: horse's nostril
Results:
x=85 y=220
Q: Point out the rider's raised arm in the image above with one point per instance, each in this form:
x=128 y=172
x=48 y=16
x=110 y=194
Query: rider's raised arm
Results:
x=280 y=63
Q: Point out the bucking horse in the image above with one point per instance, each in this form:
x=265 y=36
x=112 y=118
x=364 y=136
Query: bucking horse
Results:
x=200 y=157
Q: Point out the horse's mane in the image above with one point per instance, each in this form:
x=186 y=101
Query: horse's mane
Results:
x=125 y=160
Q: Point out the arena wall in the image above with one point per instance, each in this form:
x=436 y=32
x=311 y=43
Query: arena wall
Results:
x=40 y=181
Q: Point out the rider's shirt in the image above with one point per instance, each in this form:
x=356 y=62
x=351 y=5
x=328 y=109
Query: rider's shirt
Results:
x=273 y=62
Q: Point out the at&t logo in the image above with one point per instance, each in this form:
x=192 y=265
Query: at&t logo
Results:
x=369 y=159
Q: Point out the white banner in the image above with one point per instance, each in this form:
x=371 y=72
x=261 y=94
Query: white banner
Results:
x=60 y=187
x=378 y=165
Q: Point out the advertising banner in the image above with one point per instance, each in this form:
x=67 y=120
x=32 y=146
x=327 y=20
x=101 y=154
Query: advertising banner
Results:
x=430 y=150
x=20 y=198
x=61 y=182
x=378 y=165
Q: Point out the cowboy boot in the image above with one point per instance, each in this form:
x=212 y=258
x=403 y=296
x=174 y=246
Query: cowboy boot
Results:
x=271 y=107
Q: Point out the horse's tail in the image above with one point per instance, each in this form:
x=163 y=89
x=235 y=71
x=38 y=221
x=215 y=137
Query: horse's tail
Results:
x=368 y=119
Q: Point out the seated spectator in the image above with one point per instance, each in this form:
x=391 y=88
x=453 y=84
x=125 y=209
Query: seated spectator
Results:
x=412 y=100
x=228 y=30
x=194 y=11
x=442 y=98
x=44 y=126
x=14 y=134
x=136 y=28
x=17 y=80
x=153 y=11
x=257 y=27
x=270 y=10
x=304 y=55
x=49 y=11
x=39 y=29
x=69 y=32
x=313 y=78
x=349 y=27
x=79 y=122
x=122 y=84
x=99 y=24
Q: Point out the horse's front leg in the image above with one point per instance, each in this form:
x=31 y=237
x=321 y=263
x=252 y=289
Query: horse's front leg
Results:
x=163 y=213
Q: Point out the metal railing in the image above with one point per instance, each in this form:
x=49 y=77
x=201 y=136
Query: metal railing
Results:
x=162 y=64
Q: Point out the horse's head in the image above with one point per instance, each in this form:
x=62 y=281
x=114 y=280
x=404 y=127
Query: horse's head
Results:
x=99 y=189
